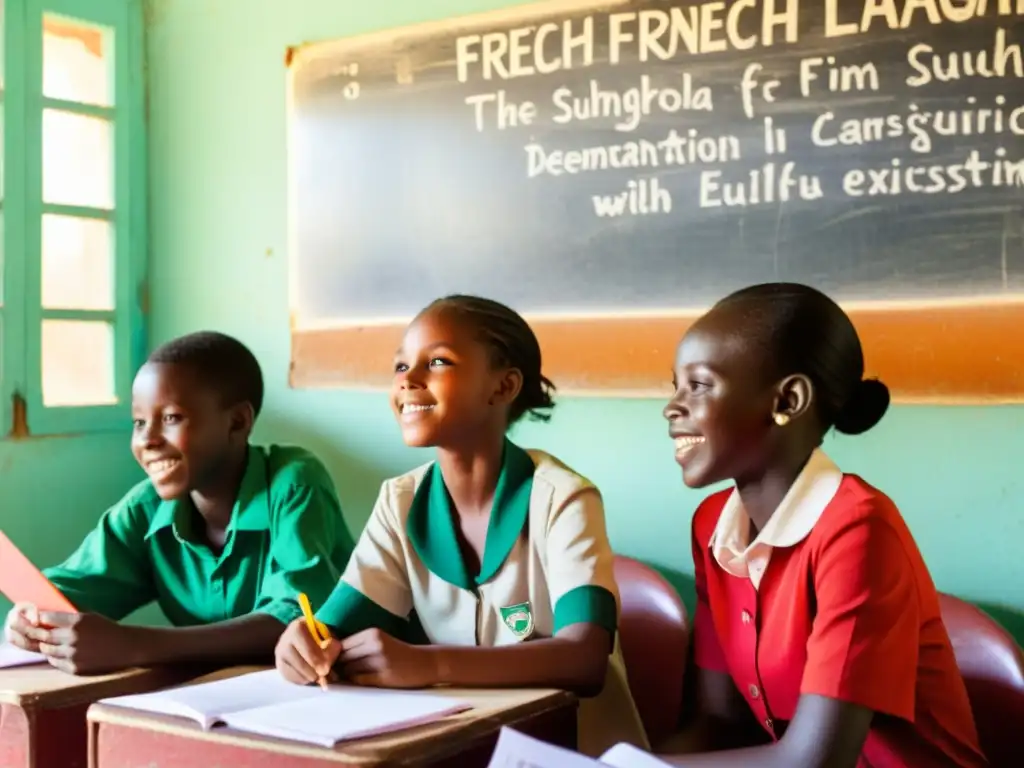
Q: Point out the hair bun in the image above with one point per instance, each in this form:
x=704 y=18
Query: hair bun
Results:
x=865 y=408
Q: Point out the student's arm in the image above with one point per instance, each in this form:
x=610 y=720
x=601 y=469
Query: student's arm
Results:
x=106 y=578
x=310 y=545
x=723 y=718
x=90 y=644
x=110 y=573
x=373 y=593
x=861 y=656
x=581 y=582
x=825 y=733
x=305 y=527
x=374 y=589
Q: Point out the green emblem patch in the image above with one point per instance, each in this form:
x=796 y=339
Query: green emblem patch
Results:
x=518 y=618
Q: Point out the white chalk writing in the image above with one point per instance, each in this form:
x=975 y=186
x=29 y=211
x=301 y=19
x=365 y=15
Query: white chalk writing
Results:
x=826 y=103
x=717 y=26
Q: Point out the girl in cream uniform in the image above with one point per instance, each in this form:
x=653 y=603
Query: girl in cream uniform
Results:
x=500 y=554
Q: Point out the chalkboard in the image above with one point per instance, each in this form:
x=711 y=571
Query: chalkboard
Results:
x=582 y=159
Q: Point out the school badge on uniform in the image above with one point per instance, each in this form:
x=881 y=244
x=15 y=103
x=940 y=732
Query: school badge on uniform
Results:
x=518 y=618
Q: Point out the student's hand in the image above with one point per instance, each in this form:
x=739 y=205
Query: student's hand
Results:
x=86 y=643
x=375 y=658
x=21 y=620
x=298 y=657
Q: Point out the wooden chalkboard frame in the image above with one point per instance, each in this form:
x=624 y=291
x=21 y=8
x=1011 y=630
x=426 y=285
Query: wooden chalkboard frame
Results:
x=955 y=352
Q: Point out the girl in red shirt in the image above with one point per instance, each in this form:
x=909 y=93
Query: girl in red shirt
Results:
x=816 y=616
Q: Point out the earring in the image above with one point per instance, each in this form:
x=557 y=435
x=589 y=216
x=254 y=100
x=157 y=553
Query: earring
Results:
x=782 y=419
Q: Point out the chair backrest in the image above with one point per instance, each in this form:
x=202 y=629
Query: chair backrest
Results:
x=654 y=634
x=992 y=665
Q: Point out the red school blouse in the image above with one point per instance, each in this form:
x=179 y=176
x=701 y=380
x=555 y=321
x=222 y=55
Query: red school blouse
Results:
x=848 y=611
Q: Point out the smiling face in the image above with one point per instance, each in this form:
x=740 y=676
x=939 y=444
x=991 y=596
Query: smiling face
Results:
x=183 y=434
x=445 y=388
x=720 y=417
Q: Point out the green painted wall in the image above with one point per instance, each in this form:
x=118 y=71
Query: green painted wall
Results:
x=219 y=235
x=53 y=489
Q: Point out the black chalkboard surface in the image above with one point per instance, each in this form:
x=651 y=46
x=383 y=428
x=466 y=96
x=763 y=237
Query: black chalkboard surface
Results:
x=579 y=158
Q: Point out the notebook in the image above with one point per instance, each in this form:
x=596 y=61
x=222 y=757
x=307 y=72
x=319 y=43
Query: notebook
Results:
x=265 y=704
x=516 y=750
x=12 y=656
x=22 y=582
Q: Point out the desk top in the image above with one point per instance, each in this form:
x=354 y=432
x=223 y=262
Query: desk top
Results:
x=491 y=710
x=40 y=685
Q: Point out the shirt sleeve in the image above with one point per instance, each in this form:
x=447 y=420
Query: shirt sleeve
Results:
x=863 y=647
x=309 y=545
x=581 y=565
x=707 y=651
x=110 y=573
x=374 y=590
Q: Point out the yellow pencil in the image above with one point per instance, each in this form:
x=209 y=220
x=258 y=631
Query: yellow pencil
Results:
x=317 y=629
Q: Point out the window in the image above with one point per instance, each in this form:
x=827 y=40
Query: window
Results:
x=72 y=213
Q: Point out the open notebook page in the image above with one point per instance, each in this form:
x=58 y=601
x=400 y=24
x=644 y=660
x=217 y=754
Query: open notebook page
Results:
x=516 y=750
x=343 y=713
x=628 y=756
x=207 y=703
x=12 y=656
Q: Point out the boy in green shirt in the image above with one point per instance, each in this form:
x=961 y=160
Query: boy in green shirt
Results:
x=222 y=535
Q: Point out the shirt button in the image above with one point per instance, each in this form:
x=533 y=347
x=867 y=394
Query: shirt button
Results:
x=754 y=693
x=745 y=617
x=768 y=723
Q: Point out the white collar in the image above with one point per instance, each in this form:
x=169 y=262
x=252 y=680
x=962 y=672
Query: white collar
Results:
x=792 y=521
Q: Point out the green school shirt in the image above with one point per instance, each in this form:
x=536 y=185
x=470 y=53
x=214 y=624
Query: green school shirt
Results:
x=286 y=536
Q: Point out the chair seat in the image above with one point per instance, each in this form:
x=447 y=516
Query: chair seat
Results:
x=992 y=665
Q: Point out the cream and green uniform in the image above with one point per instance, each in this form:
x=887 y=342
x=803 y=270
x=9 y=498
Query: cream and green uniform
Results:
x=546 y=564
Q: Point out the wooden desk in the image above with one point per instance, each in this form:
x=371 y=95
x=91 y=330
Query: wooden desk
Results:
x=122 y=738
x=42 y=711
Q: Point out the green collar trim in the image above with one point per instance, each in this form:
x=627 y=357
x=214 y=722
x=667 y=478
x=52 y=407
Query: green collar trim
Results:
x=432 y=520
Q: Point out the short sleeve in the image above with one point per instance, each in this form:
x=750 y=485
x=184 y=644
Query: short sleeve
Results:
x=581 y=565
x=309 y=546
x=374 y=590
x=707 y=651
x=864 y=642
x=110 y=573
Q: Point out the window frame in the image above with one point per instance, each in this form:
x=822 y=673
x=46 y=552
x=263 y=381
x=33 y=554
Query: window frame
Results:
x=12 y=314
x=24 y=207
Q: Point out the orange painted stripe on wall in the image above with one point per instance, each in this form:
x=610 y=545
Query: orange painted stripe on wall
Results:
x=943 y=354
